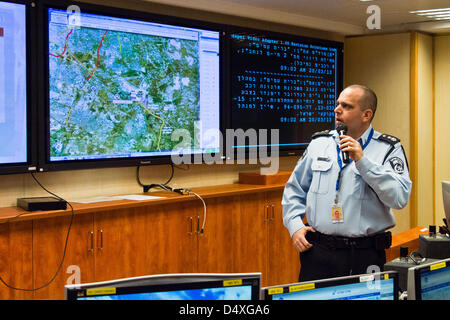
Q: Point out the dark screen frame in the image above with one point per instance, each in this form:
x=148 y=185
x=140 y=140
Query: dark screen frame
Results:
x=44 y=162
x=324 y=283
x=166 y=285
x=418 y=274
x=31 y=123
x=284 y=150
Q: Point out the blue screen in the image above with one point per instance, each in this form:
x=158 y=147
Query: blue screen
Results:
x=435 y=284
x=225 y=293
x=377 y=290
x=13 y=84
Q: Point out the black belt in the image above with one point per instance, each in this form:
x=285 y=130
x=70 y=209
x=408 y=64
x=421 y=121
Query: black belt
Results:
x=379 y=241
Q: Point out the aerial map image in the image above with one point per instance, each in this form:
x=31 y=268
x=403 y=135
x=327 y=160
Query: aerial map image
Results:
x=114 y=92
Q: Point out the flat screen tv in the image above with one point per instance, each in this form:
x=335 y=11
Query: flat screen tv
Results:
x=374 y=286
x=281 y=82
x=17 y=122
x=430 y=281
x=183 y=286
x=124 y=88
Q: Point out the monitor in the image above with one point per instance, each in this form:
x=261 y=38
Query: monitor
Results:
x=126 y=88
x=375 y=286
x=17 y=150
x=446 y=199
x=282 y=82
x=430 y=281
x=183 y=286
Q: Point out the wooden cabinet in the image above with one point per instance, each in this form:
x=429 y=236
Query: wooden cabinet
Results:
x=243 y=233
x=49 y=239
x=16 y=260
x=263 y=243
x=215 y=251
x=283 y=257
x=249 y=238
x=113 y=244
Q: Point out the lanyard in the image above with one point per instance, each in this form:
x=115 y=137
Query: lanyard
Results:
x=339 y=161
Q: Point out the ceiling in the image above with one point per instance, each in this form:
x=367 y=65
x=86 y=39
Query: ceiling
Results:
x=347 y=17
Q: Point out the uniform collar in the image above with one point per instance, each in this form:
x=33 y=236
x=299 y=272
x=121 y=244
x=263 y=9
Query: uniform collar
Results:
x=365 y=135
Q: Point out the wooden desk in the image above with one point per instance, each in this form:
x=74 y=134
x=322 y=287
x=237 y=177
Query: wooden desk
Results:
x=409 y=238
x=15 y=214
x=125 y=238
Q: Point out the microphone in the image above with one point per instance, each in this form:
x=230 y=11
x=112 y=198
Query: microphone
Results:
x=342 y=130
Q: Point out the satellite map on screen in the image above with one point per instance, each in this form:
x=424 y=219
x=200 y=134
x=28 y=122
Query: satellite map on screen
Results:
x=115 y=92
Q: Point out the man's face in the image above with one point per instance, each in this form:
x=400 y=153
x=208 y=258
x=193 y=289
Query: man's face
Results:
x=348 y=110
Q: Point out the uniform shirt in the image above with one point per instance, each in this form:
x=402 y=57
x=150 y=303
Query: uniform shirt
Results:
x=368 y=189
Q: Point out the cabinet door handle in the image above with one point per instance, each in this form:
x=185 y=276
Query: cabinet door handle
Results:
x=100 y=233
x=198 y=224
x=92 y=240
x=273 y=213
x=191 y=223
x=266 y=213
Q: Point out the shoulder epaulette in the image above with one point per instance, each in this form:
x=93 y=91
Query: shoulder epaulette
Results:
x=389 y=139
x=324 y=133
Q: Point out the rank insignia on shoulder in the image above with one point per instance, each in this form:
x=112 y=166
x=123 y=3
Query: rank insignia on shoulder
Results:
x=389 y=139
x=397 y=164
x=325 y=133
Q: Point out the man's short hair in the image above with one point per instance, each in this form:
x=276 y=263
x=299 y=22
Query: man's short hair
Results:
x=369 y=98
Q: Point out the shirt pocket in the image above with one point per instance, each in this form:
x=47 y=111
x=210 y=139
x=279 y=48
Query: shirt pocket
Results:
x=321 y=173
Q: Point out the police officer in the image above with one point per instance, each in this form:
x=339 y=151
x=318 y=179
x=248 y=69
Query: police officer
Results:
x=347 y=205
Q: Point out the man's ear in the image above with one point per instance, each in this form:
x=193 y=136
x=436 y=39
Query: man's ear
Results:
x=367 y=115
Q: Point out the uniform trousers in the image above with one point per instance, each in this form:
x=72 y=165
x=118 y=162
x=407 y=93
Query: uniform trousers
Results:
x=321 y=262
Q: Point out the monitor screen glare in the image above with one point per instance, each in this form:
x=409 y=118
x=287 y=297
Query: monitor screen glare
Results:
x=223 y=293
x=378 y=290
x=435 y=284
x=13 y=83
x=127 y=88
x=202 y=286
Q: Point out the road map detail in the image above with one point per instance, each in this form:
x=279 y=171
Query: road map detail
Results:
x=116 y=92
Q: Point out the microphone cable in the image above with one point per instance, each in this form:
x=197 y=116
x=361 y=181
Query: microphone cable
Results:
x=204 y=210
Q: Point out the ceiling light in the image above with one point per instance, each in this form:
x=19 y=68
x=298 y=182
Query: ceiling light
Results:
x=430 y=10
x=437 y=14
x=440 y=15
x=429 y=14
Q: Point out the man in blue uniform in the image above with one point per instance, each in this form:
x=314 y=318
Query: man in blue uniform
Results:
x=347 y=205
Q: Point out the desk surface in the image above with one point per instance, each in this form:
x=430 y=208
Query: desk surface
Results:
x=408 y=238
x=15 y=214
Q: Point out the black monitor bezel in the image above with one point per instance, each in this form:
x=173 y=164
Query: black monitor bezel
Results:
x=422 y=269
x=31 y=164
x=44 y=163
x=323 y=283
x=167 y=283
x=283 y=150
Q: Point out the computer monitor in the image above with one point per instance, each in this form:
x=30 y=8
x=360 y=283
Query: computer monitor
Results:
x=281 y=82
x=126 y=88
x=17 y=122
x=375 y=286
x=430 y=281
x=184 y=286
x=446 y=199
